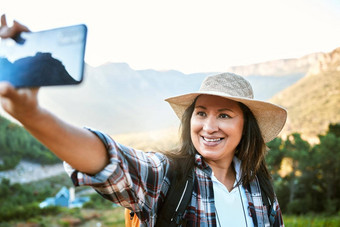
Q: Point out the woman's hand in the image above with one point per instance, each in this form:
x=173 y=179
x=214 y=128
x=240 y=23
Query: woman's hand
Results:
x=19 y=103
x=77 y=146
x=9 y=32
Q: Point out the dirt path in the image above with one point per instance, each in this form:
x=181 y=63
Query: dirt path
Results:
x=26 y=172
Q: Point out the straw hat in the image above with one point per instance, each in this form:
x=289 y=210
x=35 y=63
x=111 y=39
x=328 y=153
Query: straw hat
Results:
x=270 y=117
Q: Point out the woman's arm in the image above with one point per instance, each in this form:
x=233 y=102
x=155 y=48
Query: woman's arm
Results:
x=79 y=147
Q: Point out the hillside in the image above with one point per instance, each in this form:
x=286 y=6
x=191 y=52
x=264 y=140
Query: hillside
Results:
x=17 y=144
x=314 y=101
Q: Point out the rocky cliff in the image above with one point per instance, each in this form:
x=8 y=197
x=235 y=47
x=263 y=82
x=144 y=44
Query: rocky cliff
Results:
x=326 y=62
x=279 y=67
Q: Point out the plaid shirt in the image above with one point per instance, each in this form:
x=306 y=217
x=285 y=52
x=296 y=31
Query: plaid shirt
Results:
x=139 y=181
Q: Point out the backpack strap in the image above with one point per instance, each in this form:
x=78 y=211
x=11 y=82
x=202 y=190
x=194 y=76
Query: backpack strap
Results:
x=131 y=219
x=270 y=209
x=176 y=200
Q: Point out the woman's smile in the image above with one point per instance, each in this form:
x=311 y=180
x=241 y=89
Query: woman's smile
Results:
x=211 y=141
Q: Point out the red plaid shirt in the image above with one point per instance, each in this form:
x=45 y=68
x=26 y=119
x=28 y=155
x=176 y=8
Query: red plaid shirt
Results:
x=139 y=181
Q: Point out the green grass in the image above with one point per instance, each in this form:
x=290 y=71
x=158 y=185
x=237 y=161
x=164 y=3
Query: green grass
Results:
x=311 y=221
x=112 y=217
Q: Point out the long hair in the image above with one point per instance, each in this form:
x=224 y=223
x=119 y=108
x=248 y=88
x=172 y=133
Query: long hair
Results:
x=186 y=148
x=251 y=150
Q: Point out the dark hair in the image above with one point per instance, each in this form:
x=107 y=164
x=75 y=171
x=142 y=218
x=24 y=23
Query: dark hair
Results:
x=251 y=150
x=186 y=148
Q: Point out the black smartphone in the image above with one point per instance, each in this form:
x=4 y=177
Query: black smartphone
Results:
x=44 y=58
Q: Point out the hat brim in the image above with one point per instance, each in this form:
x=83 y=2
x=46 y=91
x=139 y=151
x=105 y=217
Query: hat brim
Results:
x=270 y=117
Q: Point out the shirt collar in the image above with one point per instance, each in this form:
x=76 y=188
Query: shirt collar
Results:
x=237 y=166
x=200 y=163
x=206 y=168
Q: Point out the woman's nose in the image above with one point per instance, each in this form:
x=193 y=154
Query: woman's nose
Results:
x=210 y=124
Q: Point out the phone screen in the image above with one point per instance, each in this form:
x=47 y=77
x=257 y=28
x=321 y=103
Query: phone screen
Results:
x=44 y=58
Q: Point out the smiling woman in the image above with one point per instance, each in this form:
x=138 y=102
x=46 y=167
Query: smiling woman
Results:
x=224 y=130
x=223 y=125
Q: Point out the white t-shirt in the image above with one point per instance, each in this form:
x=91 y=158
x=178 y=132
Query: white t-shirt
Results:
x=228 y=205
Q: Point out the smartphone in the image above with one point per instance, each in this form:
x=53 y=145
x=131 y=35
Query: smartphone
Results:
x=44 y=58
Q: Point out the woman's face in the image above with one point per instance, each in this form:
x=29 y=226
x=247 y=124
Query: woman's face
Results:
x=216 y=127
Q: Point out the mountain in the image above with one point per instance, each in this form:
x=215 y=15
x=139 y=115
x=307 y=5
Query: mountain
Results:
x=280 y=67
x=314 y=101
x=118 y=99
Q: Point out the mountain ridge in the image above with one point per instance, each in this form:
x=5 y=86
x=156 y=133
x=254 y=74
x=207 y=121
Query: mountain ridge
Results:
x=117 y=99
x=279 y=67
x=314 y=101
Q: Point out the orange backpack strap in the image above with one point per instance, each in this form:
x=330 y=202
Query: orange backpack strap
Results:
x=131 y=220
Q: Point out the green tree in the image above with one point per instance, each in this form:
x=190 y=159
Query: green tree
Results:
x=327 y=154
x=297 y=150
x=335 y=129
x=274 y=157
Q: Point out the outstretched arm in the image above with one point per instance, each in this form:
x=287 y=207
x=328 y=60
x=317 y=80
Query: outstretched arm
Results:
x=79 y=147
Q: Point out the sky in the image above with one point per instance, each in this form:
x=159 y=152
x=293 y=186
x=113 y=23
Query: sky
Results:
x=189 y=35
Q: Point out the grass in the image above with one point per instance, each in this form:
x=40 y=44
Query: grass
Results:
x=311 y=221
x=115 y=218
x=76 y=217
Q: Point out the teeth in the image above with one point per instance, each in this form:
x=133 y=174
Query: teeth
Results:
x=211 y=140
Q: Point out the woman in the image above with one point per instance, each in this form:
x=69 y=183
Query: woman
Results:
x=224 y=131
x=228 y=129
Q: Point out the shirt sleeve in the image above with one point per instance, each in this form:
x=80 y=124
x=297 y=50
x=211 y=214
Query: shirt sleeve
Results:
x=133 y=178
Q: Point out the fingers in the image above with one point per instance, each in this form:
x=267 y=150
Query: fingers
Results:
x=4 y=27
x=18 y=102
x=7 y=90
x=7 y=32
x=17 y=27
x=3 y=20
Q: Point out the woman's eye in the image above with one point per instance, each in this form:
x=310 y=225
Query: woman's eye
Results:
x=224 y=116
x=201 y=114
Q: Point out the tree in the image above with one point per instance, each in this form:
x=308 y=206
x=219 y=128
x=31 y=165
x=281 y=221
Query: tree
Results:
x=328 y=165
x=335 y=129
x=274 y=157
x=297 y=151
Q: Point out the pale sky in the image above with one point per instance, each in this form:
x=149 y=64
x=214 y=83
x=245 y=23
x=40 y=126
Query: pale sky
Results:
x=189 y=35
